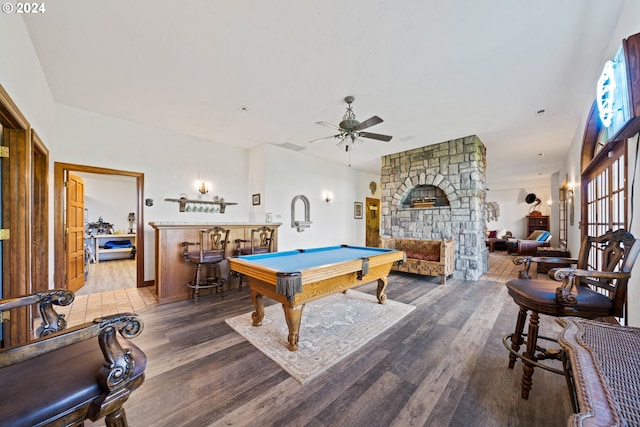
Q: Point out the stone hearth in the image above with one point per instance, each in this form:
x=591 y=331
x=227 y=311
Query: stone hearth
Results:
x=439 y=191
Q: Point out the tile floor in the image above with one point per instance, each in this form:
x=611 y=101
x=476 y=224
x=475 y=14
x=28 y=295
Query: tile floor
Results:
x=85 y=308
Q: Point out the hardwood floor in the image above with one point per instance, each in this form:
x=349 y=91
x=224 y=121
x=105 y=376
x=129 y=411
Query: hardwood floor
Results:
x=442 y=365
x=109 y=276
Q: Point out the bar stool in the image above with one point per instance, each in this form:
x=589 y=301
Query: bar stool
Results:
x=211 y=251
x=582 y=292
x=260 y=245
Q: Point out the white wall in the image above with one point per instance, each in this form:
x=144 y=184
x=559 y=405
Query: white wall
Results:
x=110 y=197
x=22 y=76
x=288 y=174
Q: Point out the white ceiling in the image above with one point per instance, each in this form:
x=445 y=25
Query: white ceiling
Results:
x=434 y=70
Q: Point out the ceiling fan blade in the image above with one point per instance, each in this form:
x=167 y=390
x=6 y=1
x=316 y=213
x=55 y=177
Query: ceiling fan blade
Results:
x=326 y=137
x=368 y=123
x=385 y=138
x=328 y=124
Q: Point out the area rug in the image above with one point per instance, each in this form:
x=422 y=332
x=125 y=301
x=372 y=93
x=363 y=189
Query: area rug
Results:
x=332 y=328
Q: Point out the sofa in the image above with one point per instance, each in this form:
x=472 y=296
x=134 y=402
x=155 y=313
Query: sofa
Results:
x=425 y=257
x=529 y=246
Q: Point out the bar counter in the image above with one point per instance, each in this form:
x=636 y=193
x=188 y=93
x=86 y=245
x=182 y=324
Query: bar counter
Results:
x=172 y=272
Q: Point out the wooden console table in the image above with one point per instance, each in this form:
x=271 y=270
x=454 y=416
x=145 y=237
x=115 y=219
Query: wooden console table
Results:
x=492 y=242
x=171 y=271
x=601 y=362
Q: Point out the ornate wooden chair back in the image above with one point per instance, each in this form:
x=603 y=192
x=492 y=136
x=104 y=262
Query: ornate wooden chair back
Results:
x=613 y=252
x=264 y=240
x=596 y=288
x=214 y=240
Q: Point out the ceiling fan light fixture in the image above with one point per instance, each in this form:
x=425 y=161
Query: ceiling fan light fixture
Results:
x=351 y=130
x=349 y=123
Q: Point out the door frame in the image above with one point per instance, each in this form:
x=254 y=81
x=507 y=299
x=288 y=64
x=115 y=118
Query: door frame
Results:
x=59 y=172
x=25 y=214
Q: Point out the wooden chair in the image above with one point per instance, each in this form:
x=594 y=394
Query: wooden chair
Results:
x=65 y=376
x=596 y=288
x=212 y=250
x=261 y=244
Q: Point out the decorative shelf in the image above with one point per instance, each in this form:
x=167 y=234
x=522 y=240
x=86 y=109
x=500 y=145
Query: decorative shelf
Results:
x=183 y=203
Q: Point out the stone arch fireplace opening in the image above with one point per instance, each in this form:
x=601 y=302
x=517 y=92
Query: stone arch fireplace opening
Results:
x=425 y=196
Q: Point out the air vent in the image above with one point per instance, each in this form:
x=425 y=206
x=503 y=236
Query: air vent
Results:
x=292 y=147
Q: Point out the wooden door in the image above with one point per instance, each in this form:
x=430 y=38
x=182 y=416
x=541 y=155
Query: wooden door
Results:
x=74 y=236
x=372 y=215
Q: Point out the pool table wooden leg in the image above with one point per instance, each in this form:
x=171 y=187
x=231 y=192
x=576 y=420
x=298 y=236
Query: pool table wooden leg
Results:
x=257 y=315
x=293 y=314
x=382 y=285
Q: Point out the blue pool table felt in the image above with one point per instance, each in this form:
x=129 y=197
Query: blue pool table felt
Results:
x=305 y=259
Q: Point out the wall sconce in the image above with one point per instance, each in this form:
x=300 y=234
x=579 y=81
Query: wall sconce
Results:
x=203 y=189
x=327 y=197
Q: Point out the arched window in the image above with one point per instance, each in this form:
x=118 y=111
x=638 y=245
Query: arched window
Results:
x=603 y=180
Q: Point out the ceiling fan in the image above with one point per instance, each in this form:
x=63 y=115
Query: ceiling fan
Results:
x=350 y=129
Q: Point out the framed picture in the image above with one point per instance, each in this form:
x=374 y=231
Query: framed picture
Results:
x=357 y=210
x=256 y=199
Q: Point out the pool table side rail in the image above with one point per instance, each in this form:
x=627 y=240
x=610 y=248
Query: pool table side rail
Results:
x=315 y=274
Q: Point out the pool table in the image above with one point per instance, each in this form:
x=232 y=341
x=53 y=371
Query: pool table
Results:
x=296 y=277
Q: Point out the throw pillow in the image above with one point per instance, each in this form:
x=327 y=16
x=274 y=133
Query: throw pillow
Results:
x=543 y=237
x=535 y=235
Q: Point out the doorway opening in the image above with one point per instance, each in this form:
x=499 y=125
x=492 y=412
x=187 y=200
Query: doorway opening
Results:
x=61 y=171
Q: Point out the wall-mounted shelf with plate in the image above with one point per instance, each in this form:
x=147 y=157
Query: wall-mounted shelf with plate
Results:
x=184 y=201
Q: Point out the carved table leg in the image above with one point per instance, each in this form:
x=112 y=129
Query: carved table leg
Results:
x=382 y=285
x=293 y=315
x=516 y=338
x=257 y=315
x=116 y=419
x=530 y=354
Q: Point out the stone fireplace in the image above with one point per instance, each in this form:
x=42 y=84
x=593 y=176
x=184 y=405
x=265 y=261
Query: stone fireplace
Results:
x=439 y=191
